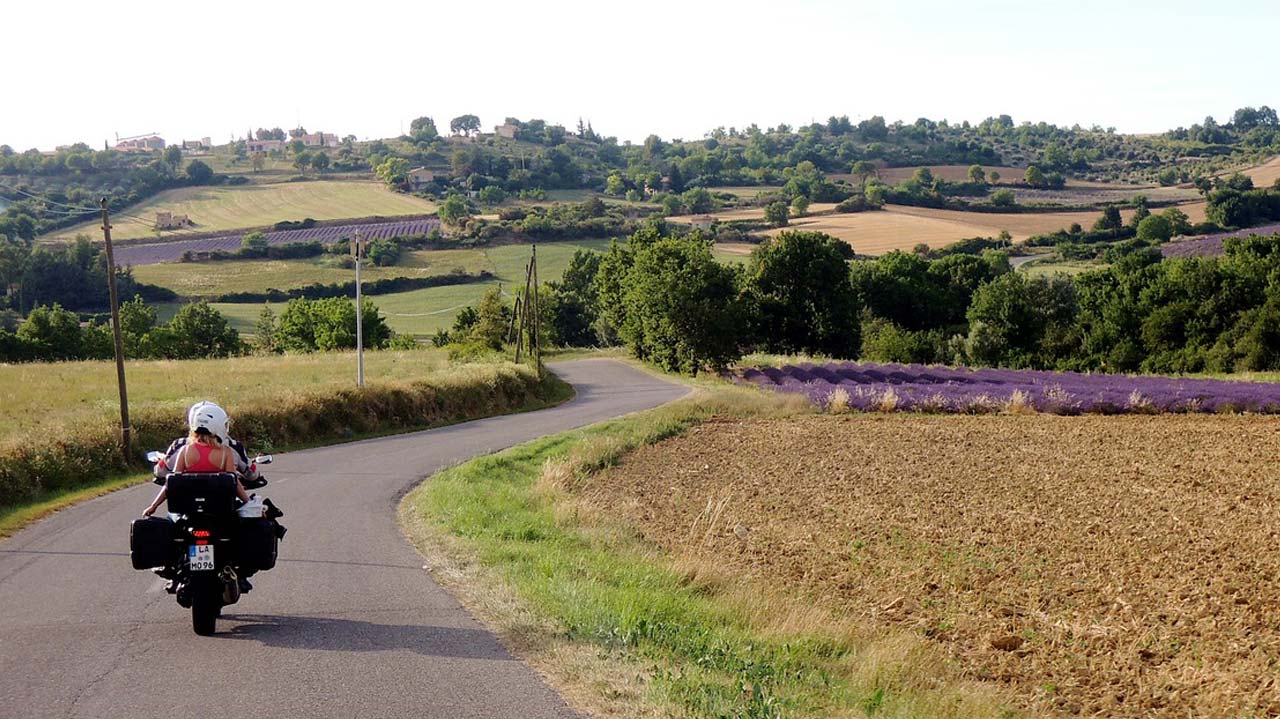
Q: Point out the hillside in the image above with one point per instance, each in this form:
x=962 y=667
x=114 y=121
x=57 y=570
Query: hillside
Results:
x=214 y=209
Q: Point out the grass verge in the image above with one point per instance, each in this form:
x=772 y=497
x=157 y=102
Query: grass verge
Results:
x=622 y=630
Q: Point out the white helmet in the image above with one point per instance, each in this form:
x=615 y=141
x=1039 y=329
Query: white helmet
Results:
x=209 y=416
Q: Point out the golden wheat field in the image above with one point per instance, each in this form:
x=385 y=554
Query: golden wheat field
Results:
x=901 y=228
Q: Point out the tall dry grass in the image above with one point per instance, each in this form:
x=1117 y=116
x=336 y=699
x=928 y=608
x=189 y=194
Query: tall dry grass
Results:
x=84 y=449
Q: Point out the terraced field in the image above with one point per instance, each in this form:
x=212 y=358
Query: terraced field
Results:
x=214 y=209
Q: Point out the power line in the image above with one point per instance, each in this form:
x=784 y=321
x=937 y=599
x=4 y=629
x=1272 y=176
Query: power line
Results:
x=48 y=201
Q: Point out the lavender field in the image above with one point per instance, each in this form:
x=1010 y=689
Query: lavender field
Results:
x=869 y=386
x=1211 y=245
x=157 y=252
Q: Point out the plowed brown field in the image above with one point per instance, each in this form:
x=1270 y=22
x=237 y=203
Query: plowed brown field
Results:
x=1102 y=566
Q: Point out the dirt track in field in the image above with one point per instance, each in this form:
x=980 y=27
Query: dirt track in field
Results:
x=1108 y=566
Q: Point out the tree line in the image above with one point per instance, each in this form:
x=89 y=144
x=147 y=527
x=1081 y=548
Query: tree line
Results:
x=664 y=296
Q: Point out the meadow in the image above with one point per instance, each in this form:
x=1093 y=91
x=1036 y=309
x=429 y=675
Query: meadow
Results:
x=86 y=391
x=209 y=279
x=214 y=209
x=418 y=312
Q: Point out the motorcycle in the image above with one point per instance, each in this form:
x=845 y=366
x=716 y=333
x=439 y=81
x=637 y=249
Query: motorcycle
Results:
x=205 y=546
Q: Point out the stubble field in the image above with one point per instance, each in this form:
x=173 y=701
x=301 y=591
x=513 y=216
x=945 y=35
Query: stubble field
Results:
x=1096 y=566
x=214 y=209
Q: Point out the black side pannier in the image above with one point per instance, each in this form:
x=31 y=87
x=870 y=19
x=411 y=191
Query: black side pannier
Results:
x=256 y=543
x=151 y=542
x=202 y=493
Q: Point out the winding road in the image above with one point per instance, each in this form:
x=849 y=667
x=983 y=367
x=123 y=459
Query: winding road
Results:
x=348 y=624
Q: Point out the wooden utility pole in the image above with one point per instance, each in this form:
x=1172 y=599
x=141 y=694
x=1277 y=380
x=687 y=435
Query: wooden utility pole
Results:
x=125 y=439
x=358 y=250
x=536 y=340
x=522 y=313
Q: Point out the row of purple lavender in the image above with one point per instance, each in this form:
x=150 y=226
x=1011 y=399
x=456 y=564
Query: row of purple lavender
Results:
x=1211 y=245
x=891 y=387
x=154 y=252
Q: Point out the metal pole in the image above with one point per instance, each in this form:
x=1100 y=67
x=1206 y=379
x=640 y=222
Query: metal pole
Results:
x=359 y=250
x=125 y=439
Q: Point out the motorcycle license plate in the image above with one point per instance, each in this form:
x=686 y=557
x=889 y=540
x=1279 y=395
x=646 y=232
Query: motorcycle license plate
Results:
x=201 y=556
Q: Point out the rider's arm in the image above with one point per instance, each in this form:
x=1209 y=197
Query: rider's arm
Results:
x=229 y=465
x=155 y=503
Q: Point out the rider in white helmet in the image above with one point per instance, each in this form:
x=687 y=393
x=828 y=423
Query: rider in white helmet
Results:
x=215 y=413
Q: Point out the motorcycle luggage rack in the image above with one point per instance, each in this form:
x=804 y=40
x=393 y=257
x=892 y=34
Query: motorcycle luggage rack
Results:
x=195 y=493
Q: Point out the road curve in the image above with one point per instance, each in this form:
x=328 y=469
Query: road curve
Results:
x=347 y=625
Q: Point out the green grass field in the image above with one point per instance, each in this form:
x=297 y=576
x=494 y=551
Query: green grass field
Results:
x=87 y=390
x=209 y=279
x=422 y=312
x=214 y=209
x=1071 y=268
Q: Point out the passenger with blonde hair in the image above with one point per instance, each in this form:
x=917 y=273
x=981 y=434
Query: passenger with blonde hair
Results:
x=204 y=451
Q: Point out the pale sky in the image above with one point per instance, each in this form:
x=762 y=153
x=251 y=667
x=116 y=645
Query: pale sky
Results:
x=84 y=71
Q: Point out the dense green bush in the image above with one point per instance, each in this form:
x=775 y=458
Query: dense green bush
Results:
x=328 y=324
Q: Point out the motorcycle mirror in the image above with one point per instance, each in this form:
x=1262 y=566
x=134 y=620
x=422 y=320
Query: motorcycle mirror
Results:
x=263 y=459
x=154 y=456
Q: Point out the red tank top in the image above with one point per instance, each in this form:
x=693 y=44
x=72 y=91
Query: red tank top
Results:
x=203 y=464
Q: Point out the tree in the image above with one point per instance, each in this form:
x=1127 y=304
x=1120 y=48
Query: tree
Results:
x=574 y=304
x=53 y=332
x=328 y=324
x=492 y=195
x=1004 y=198
x=198 y=173
x=614 y=185
x=681 y=307
x=255 y=243
x=1110 y=220
x=863 y=170
x=1034 y=176
x=454 y=211
x=800 y=206
x=259 y=161
x=493 y=318
x=465 y=124
x=994 y=176
x=698 y=200
x=1155 y=229
x=302 y=161
x=775 y=213
x=977 y=174
x=1178 y=221
x=423 y=129
x=799 y=284
x=198 y=330
x=264 y=331
x=320 y=161
x=173 y=157
x=297 y=146
x=393 y=170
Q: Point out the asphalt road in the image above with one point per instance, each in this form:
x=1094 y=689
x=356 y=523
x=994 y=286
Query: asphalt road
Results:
x=348 y=624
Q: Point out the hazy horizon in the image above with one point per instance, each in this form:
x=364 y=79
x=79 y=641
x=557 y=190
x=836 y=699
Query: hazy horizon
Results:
x=675 y=70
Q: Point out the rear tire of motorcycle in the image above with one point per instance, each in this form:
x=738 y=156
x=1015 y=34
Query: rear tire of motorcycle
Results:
x=206 y=604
